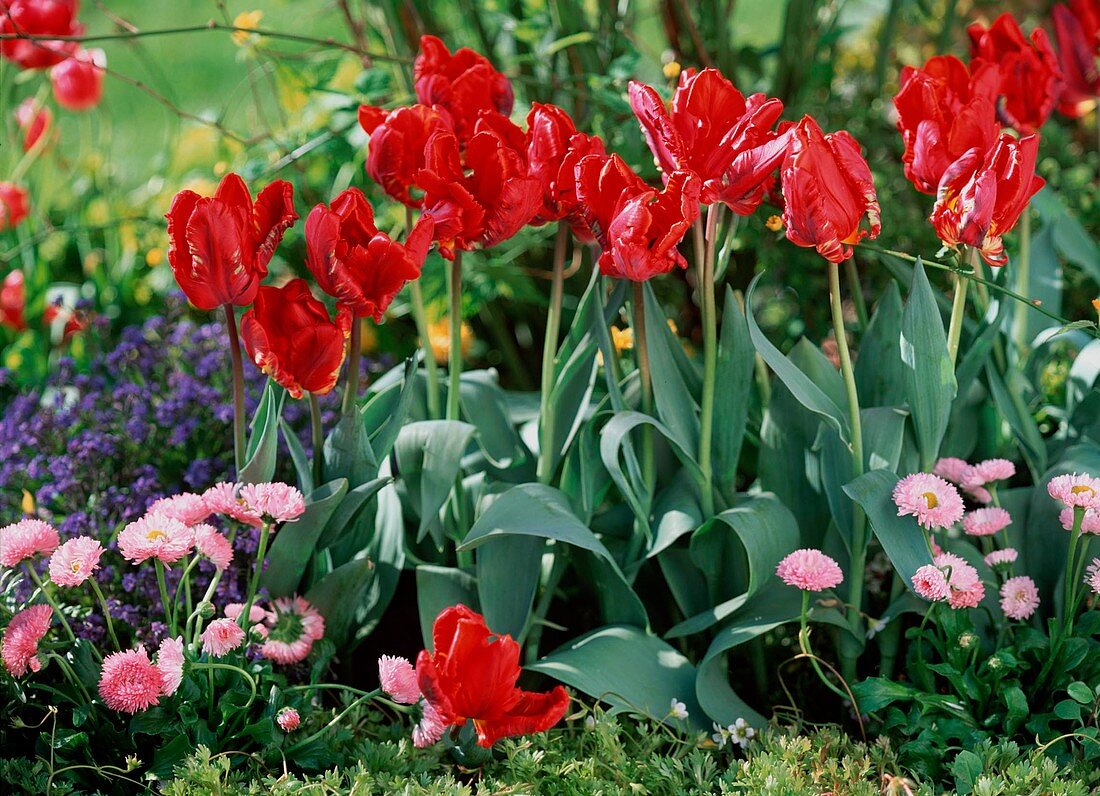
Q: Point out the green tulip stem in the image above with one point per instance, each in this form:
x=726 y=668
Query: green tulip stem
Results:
x=1023 y=281
x=454 y=375
x=709 y=314
x=420 y=316
x=641 y=356
x=958 y=311
x=355 y=354
x=238 y=389
x=549 y=357
x=318 y=437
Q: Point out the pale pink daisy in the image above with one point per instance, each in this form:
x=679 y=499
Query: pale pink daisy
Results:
x=979 y=494
x=930 y=583
x=933 y=501
x=951 y=469
x=130 y=682
x=221 y=637
x=188 y=508
x=430 y=728
x=986 y=522
x=398 y=679
x=988 y=471
x=170 y=664
x=257 y=613
x=155 y=536
x=810 y=570
x=1076 y=490
x=19 y=648
x=277 y=502
x=291 y=634
x=224 y=498
x=1019 y=597
x=1092 y=575
x=1002 y=558
x=288 y=719
x=213 y=544
x=75 y=561
x=1090 y=523
x=26 y=539
x=967 y=589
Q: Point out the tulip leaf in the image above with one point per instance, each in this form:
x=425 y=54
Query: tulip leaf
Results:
x=736 y=357
x=347 y=450
x=387 y=410
x=508 y=571
x=570 y=397
x=438 y=588
x=878 y=367
x=676 y=513
x=429 y=459
x=584 y=478
x=977 y=353
x=485 y=407
x=349 y=508
x=387 y=551
x=1008 y=399
x=298 y=456
x=674 y=403
x=340 y=597
x=295 y=543
x=263 y=442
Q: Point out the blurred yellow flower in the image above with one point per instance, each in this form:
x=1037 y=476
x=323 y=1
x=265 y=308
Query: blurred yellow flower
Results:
x=672 y=70
x=28 y=503
x=774 y=223
x=439 y=335
x=250 y=20
x=97 y=211
x=347 y=71
x=622 y=339
x=154 y=257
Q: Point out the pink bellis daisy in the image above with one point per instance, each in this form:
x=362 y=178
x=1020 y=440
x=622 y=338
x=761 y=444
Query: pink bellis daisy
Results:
x=430 y=727
x=288 y=719
x=295 y=626
x=951 y=469
x=26 y=539
x=170 y=664
x=986 y=522
x=1090 y=523
x=398 y=679
x=225 y=498
x=75 y=561
x=257 y=613
x=221 y=637
x=130 y=682
x=276 y=502
x=188 y=508
x=990 y=470
x=930 y=583
x=1092 y=575
x=1019 y=597
x=19 y=648
x=810 y=570
x=933 y=501
x=214 y=545
x=155 y=536
x=967 y=589
x=1002 y=558
x=1076 y=491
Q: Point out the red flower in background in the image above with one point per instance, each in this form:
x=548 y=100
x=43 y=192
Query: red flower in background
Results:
x=34 y=121
x=220 y=246
x=463 y=83
x=944 y=110
x=13 y=301
x=713 y=131
x=14 y=206
x=1077 y=31
x=471 y=676
x=78 y=81
x=637 y=226
x=554 y=147
x=397 y=141
x=290 y=337
x=1031 y=80
x=38 y=18
x=827 y=188
x=490 y=199
x=982 y=195
x=362 y=268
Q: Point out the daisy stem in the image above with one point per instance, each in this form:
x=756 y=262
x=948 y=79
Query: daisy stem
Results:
x=49 y=598
x=804 y=645
x=1079 y=572
x=254 y=577
x=310 y=739
x=68 y=669
x=549 y=356
x=709 y=315
x=162 y=584
x=211 y=666
x=318 y=437
x=1069 y=593
x=454 y=367
x=238 y=389
x=106 y=612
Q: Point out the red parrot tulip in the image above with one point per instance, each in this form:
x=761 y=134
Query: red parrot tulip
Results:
x=290 y=337
x=637 y=226
x=220 y=246
x=34 y=121
x=982 y=195
x=713 y=131
x=78 y=81
x=13 y=302
x=13 y=205
x=471 y=677
x=38 y=18
x=362 y=268
x=944 y=110
x=1077 y=31
x=464 y=83
x=827 y=189
x=1031 y=80
x=396 y=151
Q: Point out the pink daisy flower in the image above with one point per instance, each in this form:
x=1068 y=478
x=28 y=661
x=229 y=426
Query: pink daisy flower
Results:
x=288 y=719
x=129 y=682
x=292 y=632
x=170 y=664
x=221 y=637
x=1090 y=523
x=213 y=544
x=1076 y=490
x=398 y=679
x=188 y=508
x=1092 y=575
x=225 y=499
x=930 y=583
x=75 y=561
x=277 y=502
x=26 y=539
x=19 y=648
x=988 y=471
x=986 y=522
x=952 y=469
x=1019 y=597
x=155 y=536
x=430 y=728
x=810 y=570
x=1002 y=558
x=256 y=613
x=934 y=502
x=967 y=589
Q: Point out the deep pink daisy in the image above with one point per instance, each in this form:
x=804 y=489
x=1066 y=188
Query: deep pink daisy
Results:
x=26 y=539
x=288 y=719
x=225 y=498
x=155 y=536
x=398 y=679
x=934 y=502
x=930 y=583
x=213 y=544
x=129 y=682
x=810 y=570
x=1019 y=597
x=221 y=637
x=19 y=648
x=986 y=522
x=75 y=561
x=967 y=589
x=952 y=469
x=430 y=727
x=293 y=630
x=1076 y=490
x=1002 y=558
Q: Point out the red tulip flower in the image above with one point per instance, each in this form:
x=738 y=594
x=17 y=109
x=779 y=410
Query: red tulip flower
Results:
x=362 y=268
x=1077 y=31
x=554 y=148
x=713 y=131
x=944 y=110
x=827 y=189
x=13 y=302
x=289 y=336
x=1031 y=80
x=637 y=226
x=490 y=199
x=471 y=676
x=983 y=194
x=463 y=83
x=78 y=81
x=13 y=205
x=34 y=121
x=38 y=18
x=397 y=141
x=220 y=246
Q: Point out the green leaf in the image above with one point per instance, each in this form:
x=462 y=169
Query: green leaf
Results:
x=1008 y=399
x=508 y=571
x=348 y=510
x=929 y=378
x=1069 y=710
x=263 y=442
x=1045 y=284
x=675 y=514
x=302 y=467
x=296 y=542
x=340 y=596
x=484 y=405
x=348 y=452
x=878 y=367
x=387 y=411
x=569 y=399
x=1081 y=692
x=438 y=588
x=671 y=396
x=977 y=353
x=736 y=357
x=429 y=459
x=387 y=551
x=630 y=670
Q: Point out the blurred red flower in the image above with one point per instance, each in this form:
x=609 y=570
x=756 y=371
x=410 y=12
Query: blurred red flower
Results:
x=14 y=205
x=289 y=336
x=13 y=301
x=219 y=246
x=982 y=195
x=1077 y=31
x=554 y=147
x=78 y=81
x=471 y=676
x=463 y=83
x=34 y=121
x=38 y=18
x=396 y=151
x=362 y=268
x=827 y=188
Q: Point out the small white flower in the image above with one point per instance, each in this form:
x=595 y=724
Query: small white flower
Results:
x=741 y=733
x=876 y=627
x=721 y=735
x=677 y=709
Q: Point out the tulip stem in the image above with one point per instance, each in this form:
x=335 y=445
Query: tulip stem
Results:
x=454 y=375
x=958 y=313
x=549 y=357
x=318 y=438
x=355 y=354
x=238 y=389
x=641 y=356
x=857 y=292
x=420 y=316
x=1023 y=281
x=710 y=356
